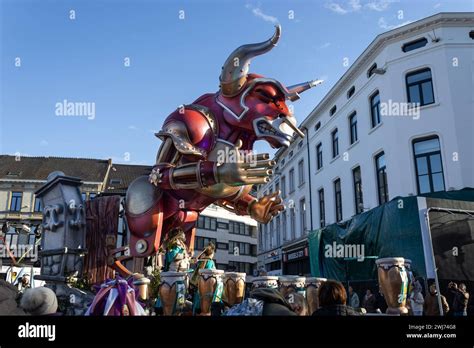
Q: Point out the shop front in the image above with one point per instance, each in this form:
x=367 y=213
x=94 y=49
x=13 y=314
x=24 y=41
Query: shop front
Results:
x=273 y=262
x=296 y=259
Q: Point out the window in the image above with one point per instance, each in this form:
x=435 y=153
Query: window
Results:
x=413 y=45
x=471 y=34
x=353 y=127
x=291 y=153
x=84 y=196
x=15 y=202
x=322 y=210
x=420 y=87
x=300 y=145
x=273 y=266
x=428 y=165
x=38 y=206
x=359 y=201
x=338 y=199
x=335 y=143
x=371 y=70
x=13 y=239
x=206 y=222
x=92 y=195
x=303 y=216
x=222 y=266
x=382 y=185
x=115 y=181
x=283 y=186
x=351 y=92
x=122 y=233
x=200 y=222
x=317 y=126
x=278 y=230
x=277 y=186
x=252 y=230
x=239 y=228
x=239 y=248
x=223 y=246
x=202 y=242
x=333 y=110
x=292 y=223
x=282 y=162
x=301 y=172
x=241 y=267
x=270 y=224
x=375 y=108
x=222 y=225
x=292 y=180
x=319 y=156
x=283 y=225
x=260 y=236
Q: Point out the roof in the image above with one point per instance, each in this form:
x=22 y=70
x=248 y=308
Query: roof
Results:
x=38 y=168
x=121 y=176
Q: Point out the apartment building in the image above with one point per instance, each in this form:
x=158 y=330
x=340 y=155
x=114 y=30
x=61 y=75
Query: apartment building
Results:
x=398 y=123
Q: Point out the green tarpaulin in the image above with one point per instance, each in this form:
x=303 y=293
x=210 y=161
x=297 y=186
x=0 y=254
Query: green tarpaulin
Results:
x=390 y=230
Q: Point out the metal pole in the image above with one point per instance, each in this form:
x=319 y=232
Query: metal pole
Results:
x=427 y=217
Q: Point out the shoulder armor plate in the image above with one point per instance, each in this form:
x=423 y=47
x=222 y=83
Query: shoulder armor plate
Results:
x=207 y=114
x=179 y=134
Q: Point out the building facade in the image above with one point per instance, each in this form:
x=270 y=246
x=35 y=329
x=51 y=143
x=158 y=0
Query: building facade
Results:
x=235 y=236
x=398 y=123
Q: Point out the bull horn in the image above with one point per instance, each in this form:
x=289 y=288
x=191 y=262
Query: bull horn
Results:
x=296 y=90
x=235 y=69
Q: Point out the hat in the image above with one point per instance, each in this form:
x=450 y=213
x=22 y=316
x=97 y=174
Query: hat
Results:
x=39 y=301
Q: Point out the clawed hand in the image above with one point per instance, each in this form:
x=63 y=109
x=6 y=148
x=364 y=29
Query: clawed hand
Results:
x=265 y=208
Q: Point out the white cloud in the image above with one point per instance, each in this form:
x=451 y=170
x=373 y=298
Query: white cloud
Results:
x=379 y=5
x=325 y=45
x=257 y=12
x=132 y=127
x=336 y=8
x=383 y=24
x=355 y=5
x=43 y=143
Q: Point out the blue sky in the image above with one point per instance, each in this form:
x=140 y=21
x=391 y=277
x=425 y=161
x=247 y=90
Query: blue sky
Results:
x=173 y=60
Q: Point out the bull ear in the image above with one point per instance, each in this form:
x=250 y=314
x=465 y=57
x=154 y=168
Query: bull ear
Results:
x=236 y=67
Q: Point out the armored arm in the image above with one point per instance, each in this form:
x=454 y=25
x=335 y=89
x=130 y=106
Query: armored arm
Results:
x=169 y=174
x=182 y=160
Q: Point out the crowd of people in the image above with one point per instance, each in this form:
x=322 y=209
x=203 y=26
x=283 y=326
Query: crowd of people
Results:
x=335 y=301
x=332 y=297
x=29 y=301
x=417 y=303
